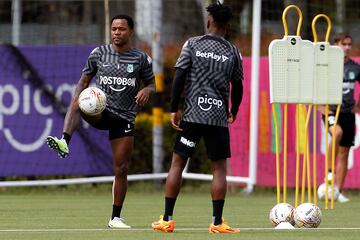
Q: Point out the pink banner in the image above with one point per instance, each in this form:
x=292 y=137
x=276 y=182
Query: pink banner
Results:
x=266 y=170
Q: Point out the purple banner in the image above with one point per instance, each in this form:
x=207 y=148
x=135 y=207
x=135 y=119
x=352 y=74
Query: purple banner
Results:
x=28 y=115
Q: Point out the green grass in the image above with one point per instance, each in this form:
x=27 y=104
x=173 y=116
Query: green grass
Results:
x=51 y=213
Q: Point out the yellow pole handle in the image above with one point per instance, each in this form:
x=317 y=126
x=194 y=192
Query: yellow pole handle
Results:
x=286 y=31
x=313 y=27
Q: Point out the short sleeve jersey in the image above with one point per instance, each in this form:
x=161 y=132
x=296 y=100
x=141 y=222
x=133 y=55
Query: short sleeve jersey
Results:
x=351 y=75
x=120 y=76
x=211 y=63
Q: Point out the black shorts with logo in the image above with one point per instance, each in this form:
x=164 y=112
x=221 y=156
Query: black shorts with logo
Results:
x=347 y=124
x=217 y=140
x=118 y=127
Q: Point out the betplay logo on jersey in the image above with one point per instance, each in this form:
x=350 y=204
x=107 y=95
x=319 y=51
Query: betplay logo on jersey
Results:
x=212 y=55
x=205 y=103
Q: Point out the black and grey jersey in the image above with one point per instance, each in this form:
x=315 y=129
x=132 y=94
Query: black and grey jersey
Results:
x=120 y=75
x=351 y=75
x=211 y=63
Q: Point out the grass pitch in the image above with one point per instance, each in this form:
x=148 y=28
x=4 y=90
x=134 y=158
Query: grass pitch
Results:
x=82 y=212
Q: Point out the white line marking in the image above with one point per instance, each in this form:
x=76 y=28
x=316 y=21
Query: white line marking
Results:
x=176 y=230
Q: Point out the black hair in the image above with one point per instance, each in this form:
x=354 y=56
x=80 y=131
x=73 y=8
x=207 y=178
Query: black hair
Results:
x=221 y=14
x=340 y=37
x=129 y=20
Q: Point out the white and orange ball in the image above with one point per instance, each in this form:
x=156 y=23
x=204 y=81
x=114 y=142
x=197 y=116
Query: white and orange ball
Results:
x=92 y=101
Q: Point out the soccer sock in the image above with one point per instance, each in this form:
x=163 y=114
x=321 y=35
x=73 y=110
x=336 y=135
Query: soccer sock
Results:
x=116 y=211
x=169 y=208
x=218 y=206
x=67 y=137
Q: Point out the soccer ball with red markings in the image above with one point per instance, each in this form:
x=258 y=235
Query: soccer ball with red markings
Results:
x=92 y=101
x=282 y=212
x=307 y=215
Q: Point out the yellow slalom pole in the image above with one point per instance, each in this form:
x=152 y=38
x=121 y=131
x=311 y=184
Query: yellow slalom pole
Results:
x=326 y=153
x=313 y=26
x=285 y=153
x=314 y=155
x=277 y=153
x=286 y=32
x=307 y=151
x=297 y=156
x=333 y=157
x=306 y=169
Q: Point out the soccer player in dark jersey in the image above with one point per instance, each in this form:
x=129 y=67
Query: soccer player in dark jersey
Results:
x=206 y=68
x=345 y=129
x=126 y=77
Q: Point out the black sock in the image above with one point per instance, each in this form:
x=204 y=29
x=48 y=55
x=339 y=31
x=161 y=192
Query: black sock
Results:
x=218 y=206
x=169 y=208
x=67 y=137
x=116 y=211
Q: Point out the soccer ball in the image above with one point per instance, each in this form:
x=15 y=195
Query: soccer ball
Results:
x=321 y=192
x=307 y=215
x=92 y=101
x=282 y=212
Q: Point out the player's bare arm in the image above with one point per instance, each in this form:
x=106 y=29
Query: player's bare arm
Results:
x=175 y=118
x=143 y=95
x=72 y=117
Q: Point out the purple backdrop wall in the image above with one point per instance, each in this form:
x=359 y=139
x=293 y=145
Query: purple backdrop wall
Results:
x=27 y=117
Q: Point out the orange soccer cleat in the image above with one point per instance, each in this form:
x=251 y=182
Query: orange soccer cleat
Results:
x=222 y=228
x=165 y=226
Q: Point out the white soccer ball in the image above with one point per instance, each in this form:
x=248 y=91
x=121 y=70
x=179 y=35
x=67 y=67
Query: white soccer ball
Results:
x=92 y=101
x=321 y=191
x=282 y=212
x=307 y=215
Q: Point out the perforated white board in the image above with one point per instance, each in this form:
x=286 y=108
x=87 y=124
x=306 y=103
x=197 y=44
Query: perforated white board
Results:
x=291 y=65
x=328 y=73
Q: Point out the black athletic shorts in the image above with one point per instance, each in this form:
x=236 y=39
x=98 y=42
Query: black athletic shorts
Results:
x=118 y=127
x=347 y=124
x=217 y=140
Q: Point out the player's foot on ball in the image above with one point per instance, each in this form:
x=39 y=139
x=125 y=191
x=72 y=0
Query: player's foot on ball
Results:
x=222 y=228
x=165 y=226
x=117 y=222
x=58 y=145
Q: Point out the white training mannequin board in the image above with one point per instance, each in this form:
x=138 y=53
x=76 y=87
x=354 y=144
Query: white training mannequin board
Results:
x=291 y=64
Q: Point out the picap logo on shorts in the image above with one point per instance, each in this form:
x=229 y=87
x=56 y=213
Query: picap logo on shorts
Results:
x=205 y=103
x=187 y=142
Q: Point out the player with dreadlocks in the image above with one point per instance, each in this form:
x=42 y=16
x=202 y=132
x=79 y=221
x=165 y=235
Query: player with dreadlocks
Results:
x=206 y=67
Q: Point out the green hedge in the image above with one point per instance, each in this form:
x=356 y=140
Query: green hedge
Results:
x=142 y=157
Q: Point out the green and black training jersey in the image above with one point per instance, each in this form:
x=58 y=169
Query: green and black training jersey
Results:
x=120 y=76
